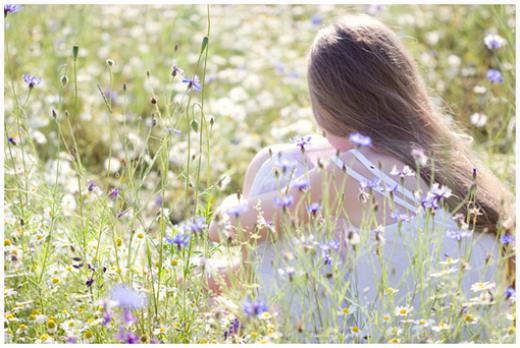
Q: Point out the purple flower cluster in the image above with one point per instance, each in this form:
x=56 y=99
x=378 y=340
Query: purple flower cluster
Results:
x=233 y=329
x=255 y=308
x=434 y=196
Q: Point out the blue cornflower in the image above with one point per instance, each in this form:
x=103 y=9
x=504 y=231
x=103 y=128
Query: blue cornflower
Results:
x=284 y=201
x=374 y=183
x=193 y=83
x=302 y=141
x=126 y=297
x=493 y=41
x=115 y=193
x=11 y=140
x=316 y=19
x=195 y=225
x=180 y=239
x=393 y=188
x=313 y=208
x=510 y=292
x=359 y=140
x=507 y=239
x=31 y=81
x=459 y=234
x=301 y=184
x=237 y=210
x=8 y=8
x=495 y=76
x=255 y=308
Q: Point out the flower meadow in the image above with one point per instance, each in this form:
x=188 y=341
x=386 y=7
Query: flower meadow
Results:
x=126 y=126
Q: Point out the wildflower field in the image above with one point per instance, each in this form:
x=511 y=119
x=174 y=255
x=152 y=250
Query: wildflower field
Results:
x=125 y=127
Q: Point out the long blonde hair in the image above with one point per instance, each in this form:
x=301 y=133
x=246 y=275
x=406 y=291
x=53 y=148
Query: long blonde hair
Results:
x=362 y=79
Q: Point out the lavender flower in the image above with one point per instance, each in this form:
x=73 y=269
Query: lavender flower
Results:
x=374 y=183
x=233 y=329
x=302 y=141
x=237 y=210
x=115 y=193
x=507 y=239
x=31 y=81
x=301 y=184
x=495 y=76
x=71 y=339
x=254 y=308
x=107 y=318
x=493 y=41
x=8 y=8
x=126 y=297
x=195 y=225
x=316 y=19
x=359 y=140
x=313 y=208
x=127 y=337
x=284 y=201
x=458 y=234
x=180 y=239
x=193 y=84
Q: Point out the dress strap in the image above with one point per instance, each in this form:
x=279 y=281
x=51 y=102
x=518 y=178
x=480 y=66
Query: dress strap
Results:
x=351 y=172
x=374 y=170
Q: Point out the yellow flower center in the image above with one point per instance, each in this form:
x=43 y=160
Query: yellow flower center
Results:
x=7 y=242
x=346 y=310
x=355 y=329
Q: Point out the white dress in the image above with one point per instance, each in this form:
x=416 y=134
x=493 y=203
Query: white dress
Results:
x=309 y=307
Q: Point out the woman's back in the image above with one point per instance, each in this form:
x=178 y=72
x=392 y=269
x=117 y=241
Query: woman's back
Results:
x=319 y=271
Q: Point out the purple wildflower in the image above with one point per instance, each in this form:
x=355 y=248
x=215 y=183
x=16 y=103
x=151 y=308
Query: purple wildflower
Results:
x=8 y=8
x=359 y=140
x=301 y=184
x=193 y=84
x=313 y=208
x=89 y=282
x=510 y=292
x=107 y=318
x=180 y=239
x=126 y=297
x=233 y=329
x=72 y=339
x=195 y=225
x=280 y=68
x=115 y=193
x=302 y=141
x=127 y=337
x=158 y=200
x=128 y=318
x=254 y=308
x=374 y=183
x=507 y=239
x=495 y=76
x=458 y=234
x=237 y=210
x=493 y=41
x=32 y=81
x=316 y=19
x=11 y=140
x=284 y=201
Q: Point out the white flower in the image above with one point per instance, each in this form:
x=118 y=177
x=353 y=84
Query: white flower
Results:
x=403 y=311
x=406 y=171
x=482 y=286
x=478 y=119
